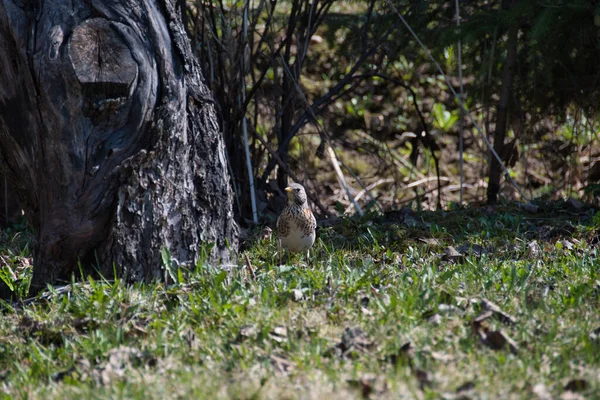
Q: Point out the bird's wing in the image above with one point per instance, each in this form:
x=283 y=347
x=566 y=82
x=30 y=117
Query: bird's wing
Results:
x=283 y=226
x=310 y=217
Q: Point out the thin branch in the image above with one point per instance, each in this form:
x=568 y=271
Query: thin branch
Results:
x=245 y=122
x=462 y=106
x=342 y=179
x=367 y=189
x=423 y=124
x=273 y=153
x=462 y=96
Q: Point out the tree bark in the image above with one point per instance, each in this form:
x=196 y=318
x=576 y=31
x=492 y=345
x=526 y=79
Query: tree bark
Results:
x=502 y=111
x=9 y=207
x=109 y=136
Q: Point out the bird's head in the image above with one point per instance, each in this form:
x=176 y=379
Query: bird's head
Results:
x=296 y=195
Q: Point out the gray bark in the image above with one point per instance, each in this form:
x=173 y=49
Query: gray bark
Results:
x=109 y=136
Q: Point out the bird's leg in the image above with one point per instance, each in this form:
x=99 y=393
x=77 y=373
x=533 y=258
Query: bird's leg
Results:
x=280 y=252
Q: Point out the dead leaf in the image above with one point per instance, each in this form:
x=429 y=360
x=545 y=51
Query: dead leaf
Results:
x=423 y=378
x=249 y=267
x=577 y=385
x=567 y=244
x=497 y=340
x=450 y=253
x=266 y=233
x=465 y=387
x=369 y=384
x=354 y=339
x=247 y=332
x=576 y=204
x=364 y=301
x=469 y=248
x=278 y=334
x=297 y=295
x=42 y=332
x=328 y=222
x=482 y=317
x=435 y=319
x=498 y=313
x=281 y=364
x=533 y=249
x=529 y=207
x=448 y=309
x=431 y=241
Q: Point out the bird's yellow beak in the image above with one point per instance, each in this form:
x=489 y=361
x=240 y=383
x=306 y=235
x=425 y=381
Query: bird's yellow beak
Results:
x=288 y=189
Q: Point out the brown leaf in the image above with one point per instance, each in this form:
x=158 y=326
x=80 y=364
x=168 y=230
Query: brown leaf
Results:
x=576 y=204
x=577 y=385
x=567 y=244
x=247 y=332
x=369 y=384
x=431 y=241
x=354 y=339
x=465 y=387
x=435 y=319
x=450 y=253
x=471 y=248
x=498 y=313
x=478 y=320
x=423 y=378
x=533 y=249
x=282 y=365
x=448 y=309
x=278 y=334
x=266 y=233
x=529 y=207
x=43 y=332
x=497 y=340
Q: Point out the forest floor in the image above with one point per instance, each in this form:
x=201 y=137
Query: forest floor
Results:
x=470 y=303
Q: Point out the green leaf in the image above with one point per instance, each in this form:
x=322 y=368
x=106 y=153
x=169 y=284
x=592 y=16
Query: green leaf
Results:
x=166 y=256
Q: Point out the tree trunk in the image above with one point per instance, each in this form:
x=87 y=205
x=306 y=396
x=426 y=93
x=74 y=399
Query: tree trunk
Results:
x=502 y=111
x=109 y=136
x=9 y=207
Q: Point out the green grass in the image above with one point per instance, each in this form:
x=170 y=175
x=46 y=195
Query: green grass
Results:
x=281 y=331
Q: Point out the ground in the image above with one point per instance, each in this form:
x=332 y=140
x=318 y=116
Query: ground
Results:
x=470 y=303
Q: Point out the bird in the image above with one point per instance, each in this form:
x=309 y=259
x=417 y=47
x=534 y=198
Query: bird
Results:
x=296 y=225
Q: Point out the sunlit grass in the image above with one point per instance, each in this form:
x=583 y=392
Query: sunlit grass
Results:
x=266 y=330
